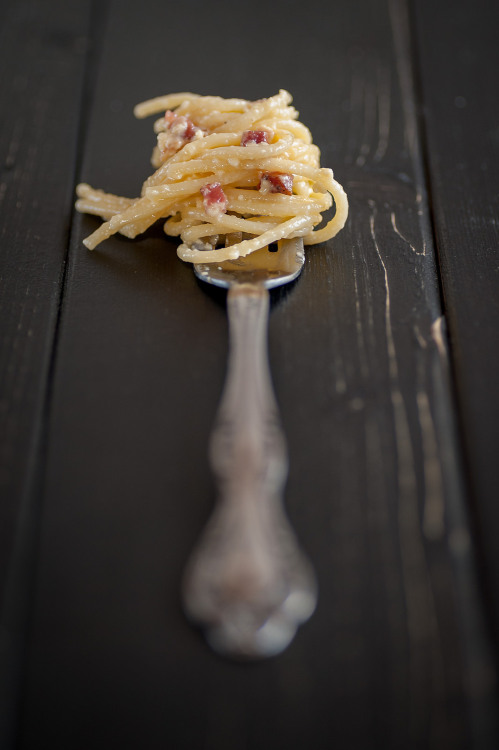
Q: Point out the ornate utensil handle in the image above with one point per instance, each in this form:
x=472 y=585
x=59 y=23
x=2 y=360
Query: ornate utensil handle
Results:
x=247 y=581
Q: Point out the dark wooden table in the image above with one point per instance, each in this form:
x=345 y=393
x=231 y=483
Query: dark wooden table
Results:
x=384 y=357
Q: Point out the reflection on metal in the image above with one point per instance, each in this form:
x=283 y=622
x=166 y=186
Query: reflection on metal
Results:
x=248 y=583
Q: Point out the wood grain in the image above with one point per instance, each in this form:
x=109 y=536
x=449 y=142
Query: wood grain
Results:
x=42 y=56
x=461 y=115
x=397 y=653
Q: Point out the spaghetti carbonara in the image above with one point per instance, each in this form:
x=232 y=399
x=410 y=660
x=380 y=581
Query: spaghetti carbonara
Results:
x=232 y=176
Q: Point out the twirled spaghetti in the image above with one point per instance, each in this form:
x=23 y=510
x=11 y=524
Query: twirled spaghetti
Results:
x=232 y=176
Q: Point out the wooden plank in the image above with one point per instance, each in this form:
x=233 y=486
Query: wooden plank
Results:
x=42 y=56
x=461 y=112
x=359 y=360
x=38 y=142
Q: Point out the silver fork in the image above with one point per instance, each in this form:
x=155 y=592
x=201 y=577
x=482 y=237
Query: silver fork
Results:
x=247 y=582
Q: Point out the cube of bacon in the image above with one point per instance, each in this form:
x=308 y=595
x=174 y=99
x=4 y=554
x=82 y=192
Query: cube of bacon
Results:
x=180 y=125
x=179 y=130
x=214 y=200
x=256 y=136
x=276 y=182
x=190 y=129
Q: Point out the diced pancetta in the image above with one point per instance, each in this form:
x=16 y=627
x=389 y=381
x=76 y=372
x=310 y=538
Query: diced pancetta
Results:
x=276 y=182
x=214 y=200
x=256 y=136
x=178 y=131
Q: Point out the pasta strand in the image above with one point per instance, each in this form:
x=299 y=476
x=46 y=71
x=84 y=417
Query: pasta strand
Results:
x=225 y=167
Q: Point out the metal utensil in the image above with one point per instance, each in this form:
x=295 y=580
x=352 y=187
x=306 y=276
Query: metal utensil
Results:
x=248 y=583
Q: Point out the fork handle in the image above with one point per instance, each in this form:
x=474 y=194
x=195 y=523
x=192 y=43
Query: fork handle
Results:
x=247 y=581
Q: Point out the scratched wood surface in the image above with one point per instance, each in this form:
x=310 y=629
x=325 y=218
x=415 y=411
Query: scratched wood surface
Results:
x=462 y=116
x=398 y=653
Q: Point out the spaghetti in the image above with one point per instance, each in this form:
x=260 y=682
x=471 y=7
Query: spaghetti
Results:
x=232 y=176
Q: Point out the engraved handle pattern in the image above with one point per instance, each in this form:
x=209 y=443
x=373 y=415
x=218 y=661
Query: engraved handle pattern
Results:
x=247 y=582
